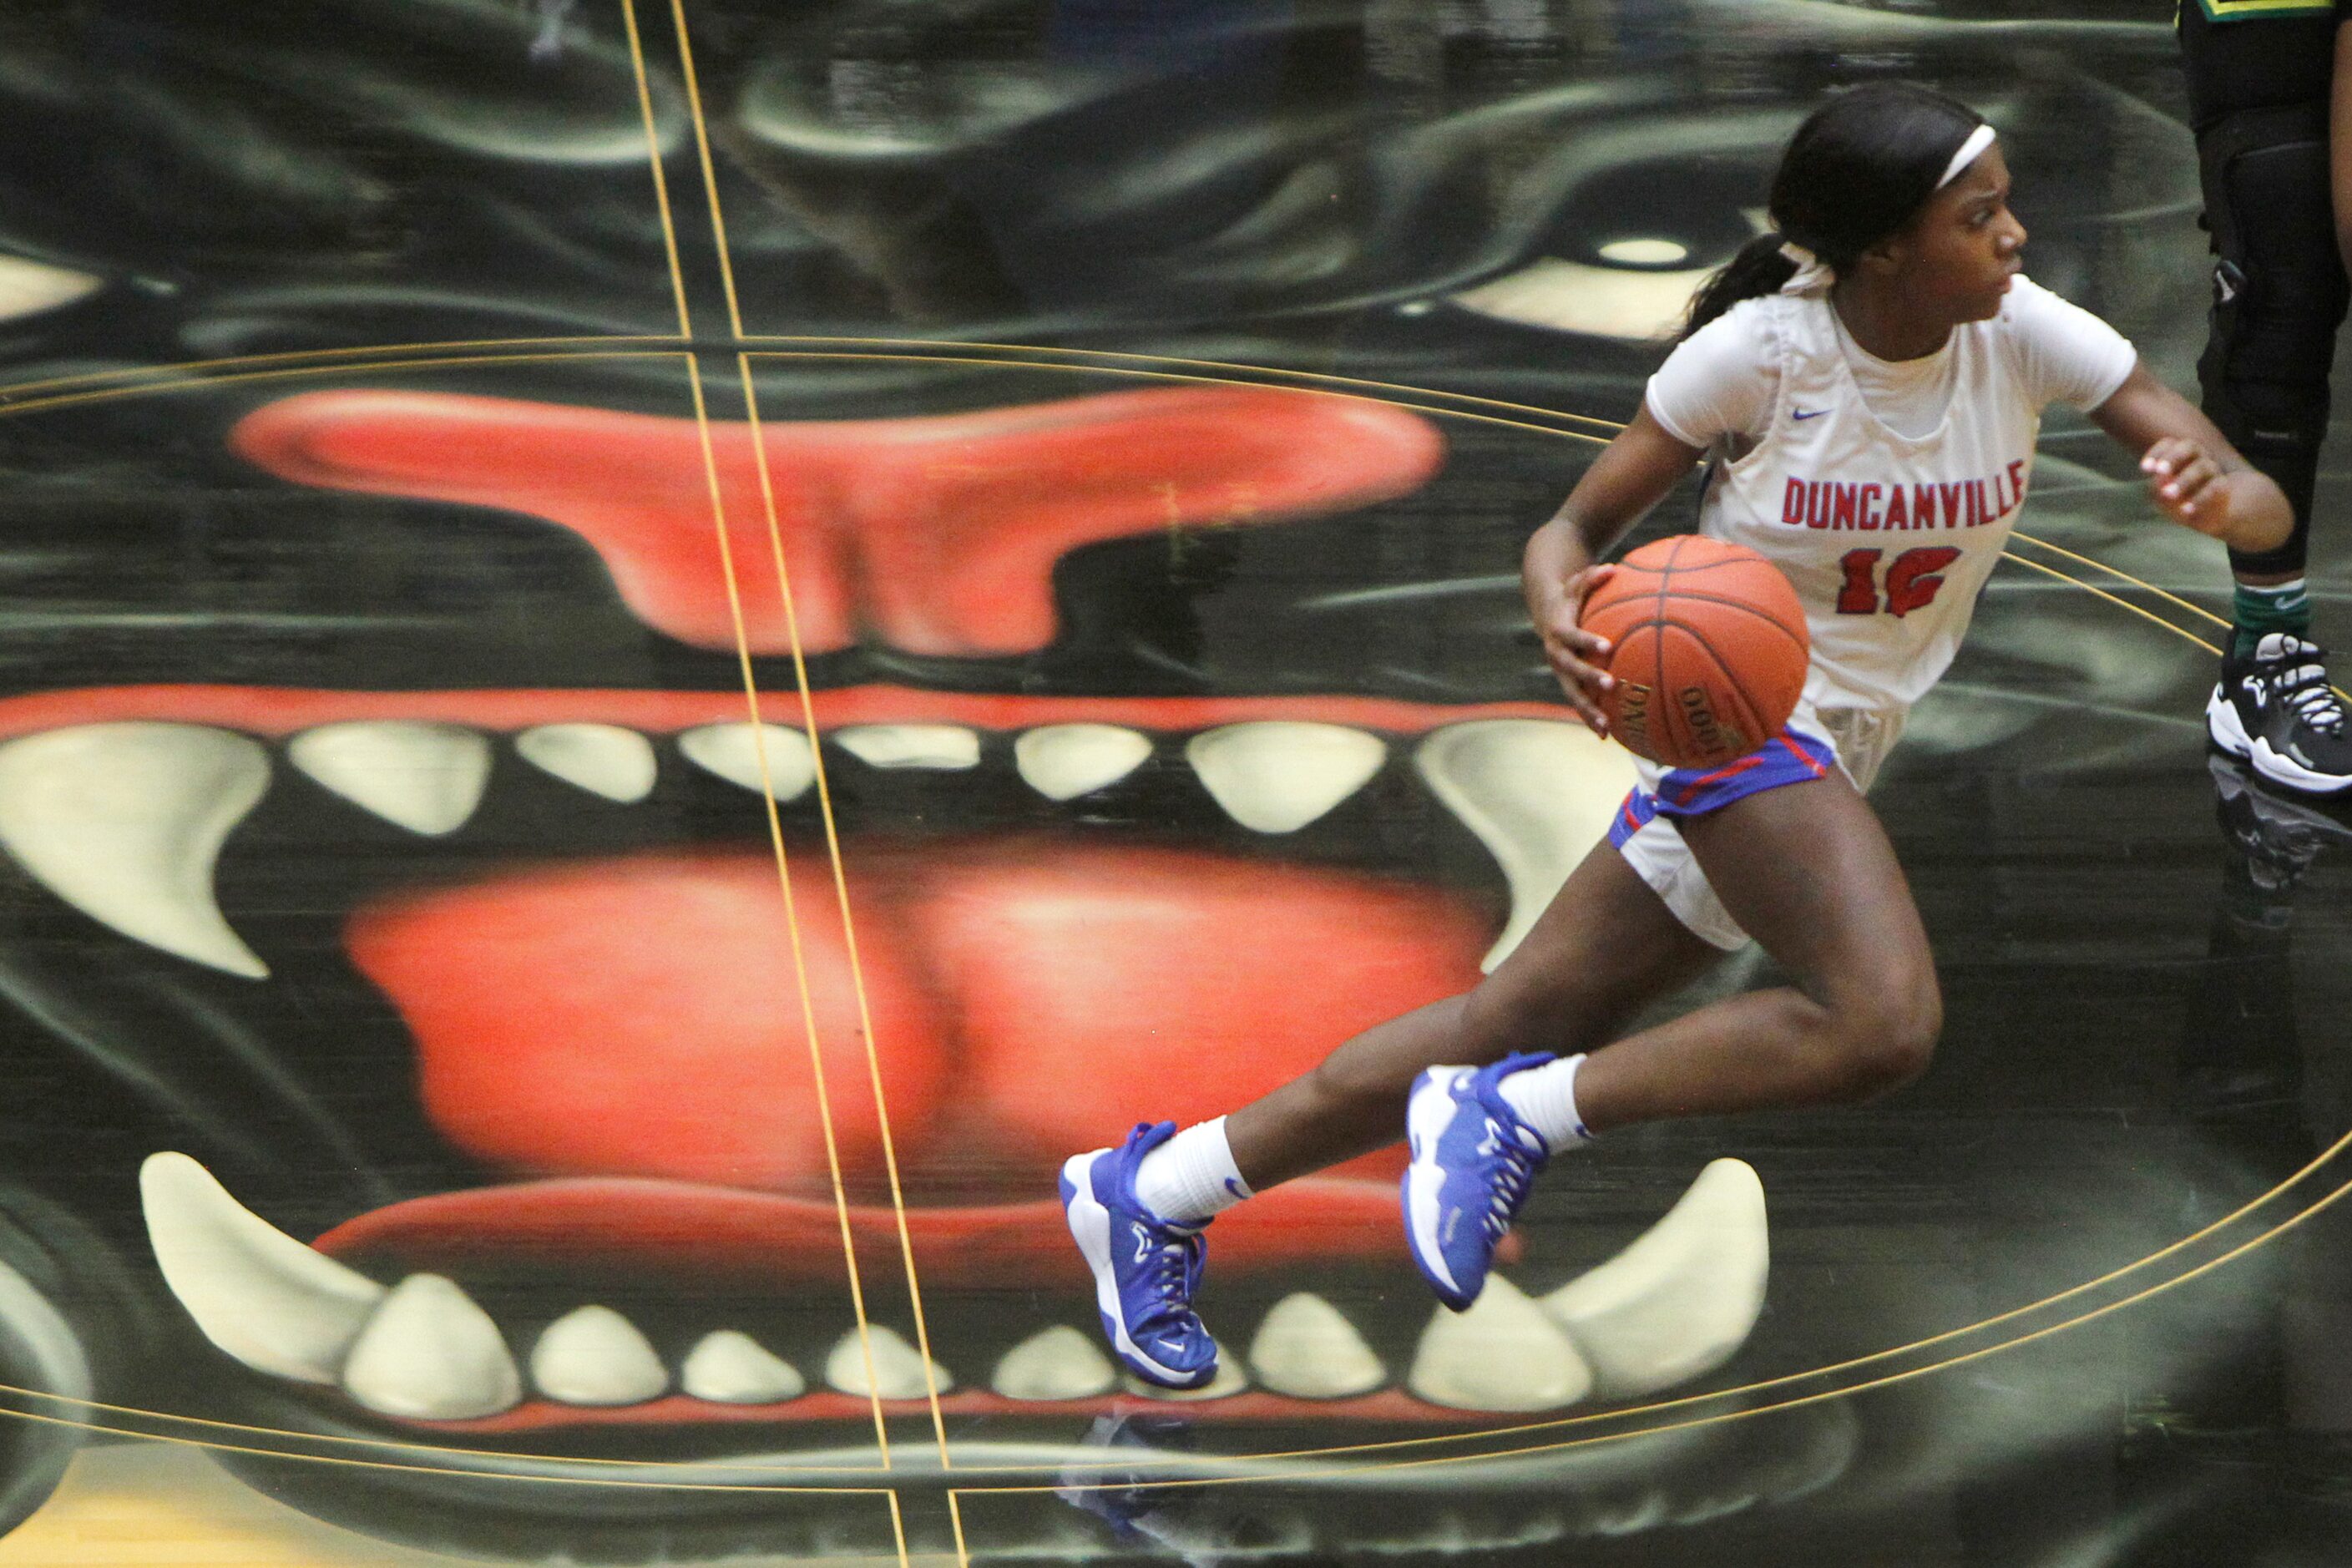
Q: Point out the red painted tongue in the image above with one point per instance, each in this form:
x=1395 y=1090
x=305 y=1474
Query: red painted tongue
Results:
x=935 y=534
x=643 y=1017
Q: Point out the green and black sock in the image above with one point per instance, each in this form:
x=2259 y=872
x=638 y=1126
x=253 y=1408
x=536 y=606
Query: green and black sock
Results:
x=2256 y=612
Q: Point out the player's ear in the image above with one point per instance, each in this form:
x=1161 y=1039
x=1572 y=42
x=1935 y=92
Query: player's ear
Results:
x=1888 y=255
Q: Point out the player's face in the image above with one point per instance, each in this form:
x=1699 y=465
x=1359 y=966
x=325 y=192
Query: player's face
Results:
x=1962 y=249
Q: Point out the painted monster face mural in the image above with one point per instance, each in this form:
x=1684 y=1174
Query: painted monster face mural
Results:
x=595 y=805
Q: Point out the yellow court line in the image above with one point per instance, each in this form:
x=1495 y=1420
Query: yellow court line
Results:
x=1907 y=1374
x=1173 y=375
x=816 y=752
x=215 y=1445
x=849 y=929
x=784 y=875
x=2285 y=1184
x=1791 y=1379
x=166 y=372
x=710 y=174
x=2112 y=599
x=1283 y=373
x=743 y=364
x=653 y=159
x=383 y=367
x=760 y=751
x=2117 y=572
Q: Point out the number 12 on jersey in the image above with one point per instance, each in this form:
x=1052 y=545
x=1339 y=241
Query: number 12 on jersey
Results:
x=1913 y=580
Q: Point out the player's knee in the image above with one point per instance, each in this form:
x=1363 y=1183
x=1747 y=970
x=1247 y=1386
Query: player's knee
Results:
x=1888 y=1036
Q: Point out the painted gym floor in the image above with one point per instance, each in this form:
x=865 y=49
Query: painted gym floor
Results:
x=653 y=653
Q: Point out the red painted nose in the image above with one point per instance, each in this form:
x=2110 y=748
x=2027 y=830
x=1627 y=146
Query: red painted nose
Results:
x=934 y=535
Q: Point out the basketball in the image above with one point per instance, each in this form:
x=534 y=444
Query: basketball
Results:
x=1708 y=647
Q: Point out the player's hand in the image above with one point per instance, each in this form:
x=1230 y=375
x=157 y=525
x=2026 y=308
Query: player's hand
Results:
x=2180 y=481
x=1577 y=658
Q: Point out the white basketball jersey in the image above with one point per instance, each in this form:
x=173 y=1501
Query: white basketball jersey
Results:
x=1888 y=539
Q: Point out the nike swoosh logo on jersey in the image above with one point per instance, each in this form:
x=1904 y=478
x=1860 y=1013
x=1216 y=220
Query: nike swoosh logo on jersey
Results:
x=1807 y=413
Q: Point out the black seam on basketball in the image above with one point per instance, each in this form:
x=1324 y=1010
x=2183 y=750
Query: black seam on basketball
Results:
x=1711 y=565
x=1658 y=676
x=1665 y=573
x=1731 y=686
x=1769 y=619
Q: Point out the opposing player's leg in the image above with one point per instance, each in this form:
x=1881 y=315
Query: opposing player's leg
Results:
x=2261 y=101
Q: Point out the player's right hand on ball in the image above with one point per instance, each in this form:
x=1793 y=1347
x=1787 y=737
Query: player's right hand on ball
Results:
x=1577 y=658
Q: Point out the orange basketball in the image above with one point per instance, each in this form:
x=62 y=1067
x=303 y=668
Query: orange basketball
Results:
x=1708 y=649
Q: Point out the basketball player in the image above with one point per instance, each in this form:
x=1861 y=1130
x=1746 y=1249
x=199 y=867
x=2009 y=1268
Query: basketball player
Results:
x=1870 y=378
x=2266 y=98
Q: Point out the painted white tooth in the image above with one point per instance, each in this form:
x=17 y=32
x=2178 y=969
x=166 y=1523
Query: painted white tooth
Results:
x=603 y=758
x=1629 y=1513
x=898 y=1366
x=734 y=751
x=430 y=1353
x=1230 y=1379
x=1711 y=1506
x=1276 y=775
x=125 y=821
x=28 y=287
x=428 y=778
x=1682 y=1298
x=1504 y=1354
x=593 y=1356
x=263 y=1296
x=1059 y=1363
x=1577 y=297
x=1539 y=795
x=731 y=1368
x=947 y=747
x=1063 y=762
x=1304 y=1348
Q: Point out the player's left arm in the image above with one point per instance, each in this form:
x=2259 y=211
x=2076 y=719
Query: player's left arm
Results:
x=2194 y=475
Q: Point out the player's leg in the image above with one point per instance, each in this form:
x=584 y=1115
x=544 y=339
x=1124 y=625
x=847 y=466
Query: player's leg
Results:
x=1605 y=945
x=1807 y=871
x=2260 y=99
x=1806 y=867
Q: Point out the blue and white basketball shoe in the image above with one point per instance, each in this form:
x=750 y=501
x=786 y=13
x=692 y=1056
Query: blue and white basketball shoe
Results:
x=1146 y=1269
x=1474 y=1163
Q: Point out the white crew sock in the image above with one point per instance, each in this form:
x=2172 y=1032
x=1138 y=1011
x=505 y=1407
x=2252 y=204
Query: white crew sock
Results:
x=1545 y=1098
x=1190 y=1177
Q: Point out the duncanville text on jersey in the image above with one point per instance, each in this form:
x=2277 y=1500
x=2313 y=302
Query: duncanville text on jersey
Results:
x=1870 y=506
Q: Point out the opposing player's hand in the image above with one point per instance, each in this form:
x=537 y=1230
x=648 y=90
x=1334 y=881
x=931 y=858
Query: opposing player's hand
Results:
x=2180 y=477
x=1577 y=657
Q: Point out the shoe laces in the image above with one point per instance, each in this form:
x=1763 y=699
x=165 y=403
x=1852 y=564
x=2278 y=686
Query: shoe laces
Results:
x=1510 y=1176
x=1173 y=1273
x=2302 y=687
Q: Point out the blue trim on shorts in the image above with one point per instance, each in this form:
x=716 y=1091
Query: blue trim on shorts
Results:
x=1790 y=757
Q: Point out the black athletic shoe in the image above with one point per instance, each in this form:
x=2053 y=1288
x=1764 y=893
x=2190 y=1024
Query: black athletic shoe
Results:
x=2277 y=710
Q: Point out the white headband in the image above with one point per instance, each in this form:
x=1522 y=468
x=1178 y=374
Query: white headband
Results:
x=1970 y=151
x=1813 y=275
